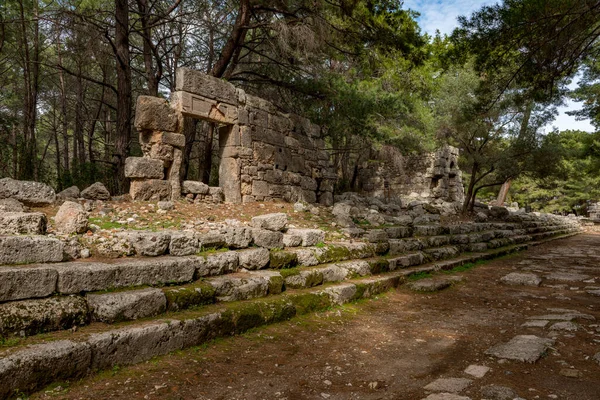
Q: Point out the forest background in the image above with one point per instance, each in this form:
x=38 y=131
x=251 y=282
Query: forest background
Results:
x=70 y=71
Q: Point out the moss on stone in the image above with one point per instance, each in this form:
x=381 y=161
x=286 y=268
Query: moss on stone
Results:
x=333 y=253
x=183 y=297
x=309 y=302
x=282 y=259
x=379 y=265
x=290 y=272
x=276 y=284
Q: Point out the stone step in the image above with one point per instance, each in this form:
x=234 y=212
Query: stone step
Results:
x=28 y=317
x=36 y=361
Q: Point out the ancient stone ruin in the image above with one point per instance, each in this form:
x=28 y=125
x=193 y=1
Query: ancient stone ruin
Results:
x=389 y=173
x=264 y=153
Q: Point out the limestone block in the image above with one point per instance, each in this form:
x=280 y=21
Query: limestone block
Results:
x=19 y=223
x=72 y=192
x=229 y=180
x=197 y=106
x=358 y=267
x=12 y=205
x=76 y=277
x=309 y=237
x=254 y=258
x=162 y=151
x=266 y=238
x=304 y=279
x=128 y=305
x=212 y=239
x=38 y=365
x=174 y=174
x=326 y=199
x=42 y=315
x=174 y=139
x=148 y=243
x=334 y=273
x=341 y=294
x=259 y=118
x=229 y=136
x=155 y=114
x=308 y=183
x=216 y=264
x=152 y=189
x=183 y=244
x=196 y=82
x=290 y=240
x=194 y=187
x=217 y=194
x=71 y=218
x=30 y=249
x=308 y=196
x=26 y=282
x=96 y=191
x=272 y=222
x=32 y=194
x=230 y=288
x=143 y=167
x=238 y=237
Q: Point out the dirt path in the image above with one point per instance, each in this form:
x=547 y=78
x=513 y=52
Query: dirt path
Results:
x=393 y=346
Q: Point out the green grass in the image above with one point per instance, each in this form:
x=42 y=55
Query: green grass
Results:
x=419 y=275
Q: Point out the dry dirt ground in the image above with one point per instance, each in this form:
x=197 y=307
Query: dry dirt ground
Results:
x=393 y=346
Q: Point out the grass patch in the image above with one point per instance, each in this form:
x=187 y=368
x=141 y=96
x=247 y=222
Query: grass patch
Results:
x=419 y=275
x=211 y=250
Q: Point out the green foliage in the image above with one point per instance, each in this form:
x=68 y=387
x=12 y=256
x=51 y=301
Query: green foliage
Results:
x=571 y=186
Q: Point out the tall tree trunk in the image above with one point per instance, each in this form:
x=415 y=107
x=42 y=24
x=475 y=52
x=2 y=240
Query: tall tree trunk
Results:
x=123 y=132
x=503 y=192
x=64 y=116
x=470 y=195
x=208 y=143
x=189 y=131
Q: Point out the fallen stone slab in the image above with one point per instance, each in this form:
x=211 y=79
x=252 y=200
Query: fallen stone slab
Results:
x=524 y=348
x=194 y=187
x=539 y=323
x=478 y=371
x=22 y=223
x=30 y=317
x=430 y=285
x=524 y=279
x=70 y=193
x=30 y=249
x=12 y=205
x=32 y=194
x=39 y=365
x=272 y=222
x=567 y=277
x=71 y=218
x=564 y=326
x=446 y=396
x=96 y=191
x=450 y=385
x=127 y=305
x=495 y=392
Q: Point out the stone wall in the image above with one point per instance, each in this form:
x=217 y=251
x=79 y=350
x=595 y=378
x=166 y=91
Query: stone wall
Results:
x=389 y=174
x=265 y=154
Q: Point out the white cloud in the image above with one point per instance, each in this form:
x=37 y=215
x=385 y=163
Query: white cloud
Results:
x=442 y=15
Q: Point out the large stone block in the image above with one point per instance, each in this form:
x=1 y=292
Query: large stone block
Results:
x=309 y=237
x=143 y=167
x=234 y=288
x=32 y=194
x=272 y=222
x=260 y=188
x=96 y=191
x=128 y=305
x=38 y=365
x=184 y=244
x=19 y=283
x=11 y=205
x=194 y=187
x=216 y=264
x=42 y=315
x=30 y=249
x=254 y=258
x=155 y=114
x=200 y=107
x=196 y=82
x=238 y=237
x=229 y=180
x=150 y=244
x=267 y=239
x=19 y=223
x=71 y=218
x=152 y=189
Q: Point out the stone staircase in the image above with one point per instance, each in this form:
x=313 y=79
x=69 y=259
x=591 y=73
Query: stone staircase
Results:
x=63 y=320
